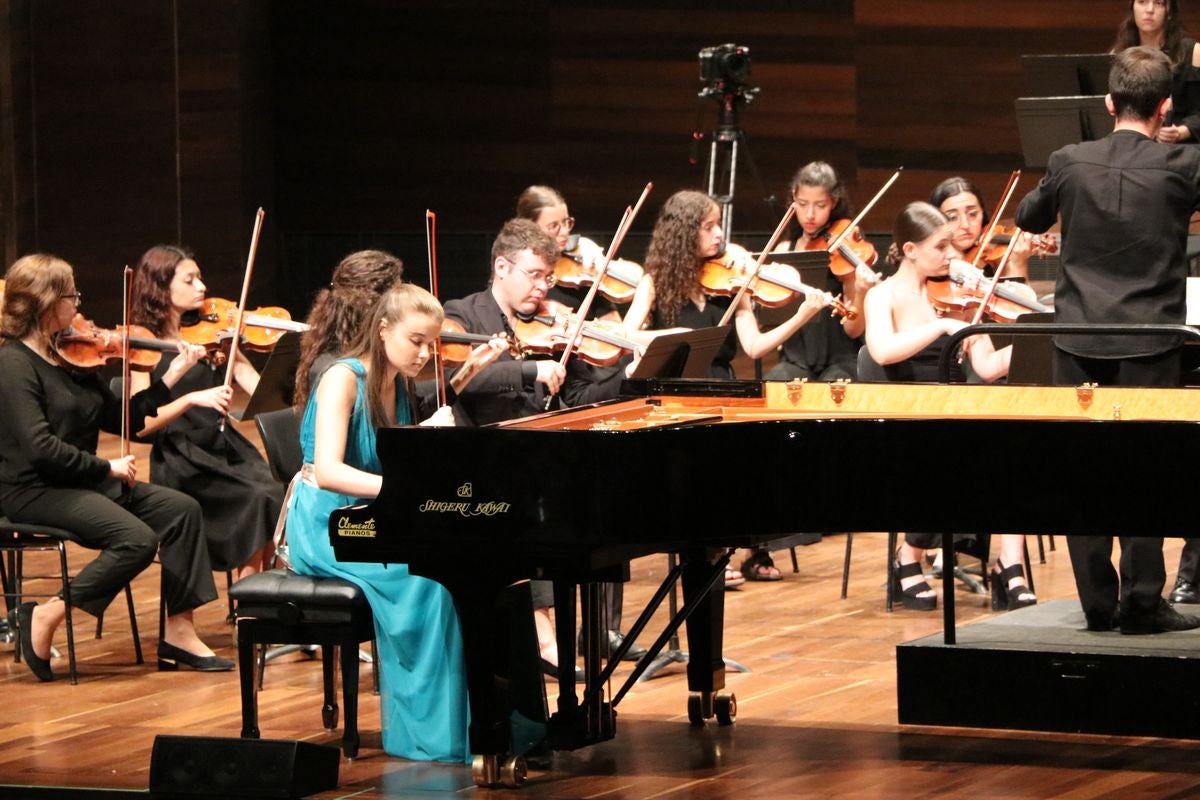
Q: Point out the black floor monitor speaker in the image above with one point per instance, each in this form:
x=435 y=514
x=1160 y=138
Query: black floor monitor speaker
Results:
x=207 y=766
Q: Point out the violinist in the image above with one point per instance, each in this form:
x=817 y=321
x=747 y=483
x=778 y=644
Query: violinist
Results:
x=902 y=326
x=962 y=204
x=827 y=349
x=50 y=421
x=1158 y=24
x=423 y=692
x=1125 y=202
x=192 y=451
x=546 y=208
x=686 y=234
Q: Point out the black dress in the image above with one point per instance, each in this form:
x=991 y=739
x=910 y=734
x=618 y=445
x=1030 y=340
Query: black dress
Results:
x=691 y=316
x=221 y=469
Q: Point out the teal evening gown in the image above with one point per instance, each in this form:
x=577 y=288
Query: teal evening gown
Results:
x=423 y=685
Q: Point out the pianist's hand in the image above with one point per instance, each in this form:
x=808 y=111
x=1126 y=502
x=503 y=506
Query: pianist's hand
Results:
x=442 y=418
x=551 y=373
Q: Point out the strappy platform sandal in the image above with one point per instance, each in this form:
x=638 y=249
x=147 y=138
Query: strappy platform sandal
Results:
x=911 y=597
x=1004 y=598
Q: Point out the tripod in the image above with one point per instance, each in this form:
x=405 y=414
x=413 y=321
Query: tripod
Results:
x=723 y=153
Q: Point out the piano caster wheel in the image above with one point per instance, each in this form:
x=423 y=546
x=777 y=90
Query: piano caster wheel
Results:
x=700 y=707
x=490 y=770
x=725 y=708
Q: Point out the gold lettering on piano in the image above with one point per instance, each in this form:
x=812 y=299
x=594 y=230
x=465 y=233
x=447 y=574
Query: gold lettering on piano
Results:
x=481 y=509
x=465 y=490
x=364 y=530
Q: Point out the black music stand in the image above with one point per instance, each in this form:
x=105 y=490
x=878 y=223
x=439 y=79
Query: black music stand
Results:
x=1047 y=123
x=687 y=354
x=276 y=380
x=1066 y=75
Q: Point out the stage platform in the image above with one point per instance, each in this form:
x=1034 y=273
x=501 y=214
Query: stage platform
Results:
x=1040 y=669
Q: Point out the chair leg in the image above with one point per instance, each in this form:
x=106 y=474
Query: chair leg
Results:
x=1029 y=567
x=893 y=539
x=375 y=667
x=66 y=590
x=350 y=700
x=229 y=618
x=133 y=628
x=247 y=663
x=795 y=563
x=329 y=711
x=846 y=564
x=1041 y=550
x=17 y=565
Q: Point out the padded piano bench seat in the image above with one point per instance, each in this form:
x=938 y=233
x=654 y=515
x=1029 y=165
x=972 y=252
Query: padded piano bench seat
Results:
x=281 y=607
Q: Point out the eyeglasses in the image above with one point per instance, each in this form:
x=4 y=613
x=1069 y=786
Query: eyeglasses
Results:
x=76 y=296
x=562 y=226
x=548 y=278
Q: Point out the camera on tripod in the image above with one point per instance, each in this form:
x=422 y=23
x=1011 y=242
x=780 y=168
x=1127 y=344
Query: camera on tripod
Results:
x=725 y=66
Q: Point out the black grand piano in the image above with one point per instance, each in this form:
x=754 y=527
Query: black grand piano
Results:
x=574 y=495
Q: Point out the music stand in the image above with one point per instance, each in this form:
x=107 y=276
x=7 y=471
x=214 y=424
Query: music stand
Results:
x=1066 y=75
x=687 y=354
x=1047 y=123
x=276 y=380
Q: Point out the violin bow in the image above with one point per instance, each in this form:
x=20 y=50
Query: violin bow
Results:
x=837 y=240
x=1005 y=196
x=581 y=314
x=762 y=257
x=240 y=319
x=439 y=364
x=126 y=390
x=991 y=292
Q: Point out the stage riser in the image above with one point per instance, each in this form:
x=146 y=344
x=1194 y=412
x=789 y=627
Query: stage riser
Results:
x=1115 y=694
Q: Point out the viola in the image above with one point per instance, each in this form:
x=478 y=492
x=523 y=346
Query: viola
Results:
x=456 y=343
x=548 y=331
x=577 y=267
x=1041 y=244
x=853 y=254
x=264 y=326
x=775 y=285
x=964 y=289
x=85 y=345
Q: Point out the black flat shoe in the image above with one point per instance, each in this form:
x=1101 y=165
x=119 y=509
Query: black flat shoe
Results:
x=552 y=671
x=1163 y=619
x=170 y=657
x=38 y=665
x=616 y=638
x=1184 y=592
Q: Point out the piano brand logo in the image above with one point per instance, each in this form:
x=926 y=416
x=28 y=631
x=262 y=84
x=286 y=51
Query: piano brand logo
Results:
x=480 y=509
x=356 y=529
x=465 y=490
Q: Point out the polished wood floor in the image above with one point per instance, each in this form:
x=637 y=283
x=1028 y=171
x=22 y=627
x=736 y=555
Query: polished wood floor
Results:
x=817 y=711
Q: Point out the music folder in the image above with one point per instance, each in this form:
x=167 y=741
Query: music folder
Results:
x=276 y=380
x=687 y=354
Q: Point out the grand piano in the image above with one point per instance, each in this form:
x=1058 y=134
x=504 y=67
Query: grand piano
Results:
x=572 y=496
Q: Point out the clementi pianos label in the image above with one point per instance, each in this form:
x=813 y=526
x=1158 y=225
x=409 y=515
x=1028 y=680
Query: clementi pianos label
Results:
x=364 y=530
x=466 y=507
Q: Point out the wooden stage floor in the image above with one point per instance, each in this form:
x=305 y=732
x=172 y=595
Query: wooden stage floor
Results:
x=817 y=713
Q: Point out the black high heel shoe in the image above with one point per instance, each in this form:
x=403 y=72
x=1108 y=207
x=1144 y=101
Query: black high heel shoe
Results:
x=170 y=657
x=38 y=665
x=1004 y=598
x=910 y=597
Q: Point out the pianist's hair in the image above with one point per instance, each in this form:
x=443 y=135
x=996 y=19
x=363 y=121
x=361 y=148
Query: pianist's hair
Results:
x=672 y=258
x=953 y=187
x=916 y=223
x=151 y=305
x=395 y=305
x=32 y=286
x=1173 y=34
x=338 y=312
x=1139 y=80
x=536 y=199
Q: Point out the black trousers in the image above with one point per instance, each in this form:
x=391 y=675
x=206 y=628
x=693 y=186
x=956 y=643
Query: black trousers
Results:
x=128 y=531
x=1138 y=588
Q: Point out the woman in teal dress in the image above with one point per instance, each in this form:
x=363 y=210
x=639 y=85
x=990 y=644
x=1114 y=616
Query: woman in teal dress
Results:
x=423 y=690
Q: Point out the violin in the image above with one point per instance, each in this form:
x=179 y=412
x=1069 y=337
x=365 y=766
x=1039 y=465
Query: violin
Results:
x=854 y=254
x=962 y=292
x=263 y=328
x=84 y=345
x=456 y=343
x=547 y=331
x=1040 y=244
x=577 y=267
x=776 y=284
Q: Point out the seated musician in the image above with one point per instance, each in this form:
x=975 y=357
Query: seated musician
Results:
x=422 y=672
x=50 y=421
x=193 y=451
x=903 y=326
x=827 y=348
x=962 y=204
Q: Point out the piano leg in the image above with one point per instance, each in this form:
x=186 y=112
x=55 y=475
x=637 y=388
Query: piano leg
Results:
x=702 y=570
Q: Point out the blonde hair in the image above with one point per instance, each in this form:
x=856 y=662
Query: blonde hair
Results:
x=32 y=285
x=396 y=304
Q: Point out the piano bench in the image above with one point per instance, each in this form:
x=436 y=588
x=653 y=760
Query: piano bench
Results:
x=282 y=607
